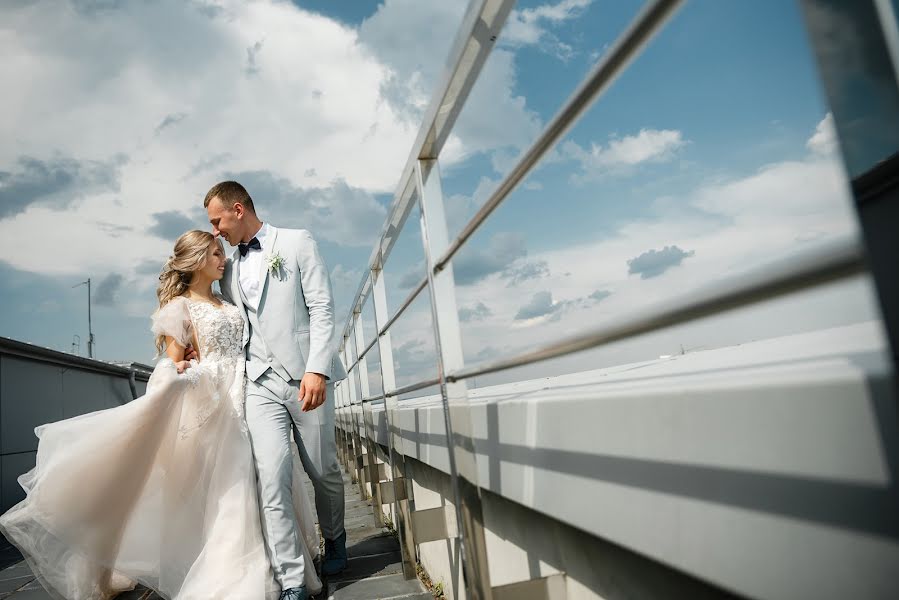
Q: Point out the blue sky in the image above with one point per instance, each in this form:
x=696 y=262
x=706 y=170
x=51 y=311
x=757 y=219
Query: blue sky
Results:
x=712 y=153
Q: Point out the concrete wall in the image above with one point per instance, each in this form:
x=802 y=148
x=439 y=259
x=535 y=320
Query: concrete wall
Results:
x=41 y=386
x=768 y=470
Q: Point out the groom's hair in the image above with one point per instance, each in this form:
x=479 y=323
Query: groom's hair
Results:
x=230 y=193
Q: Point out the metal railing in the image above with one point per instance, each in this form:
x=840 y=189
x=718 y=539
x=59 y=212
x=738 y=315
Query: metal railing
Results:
x=420 y=184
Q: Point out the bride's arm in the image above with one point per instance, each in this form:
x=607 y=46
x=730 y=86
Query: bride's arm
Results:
x=175 y=351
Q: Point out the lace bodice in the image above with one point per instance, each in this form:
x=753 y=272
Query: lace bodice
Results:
x=219 y=374
x=219 y=329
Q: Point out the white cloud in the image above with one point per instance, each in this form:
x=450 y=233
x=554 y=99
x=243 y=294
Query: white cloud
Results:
x=824 y=140
x=624 y=153
x=412 y=39
x=344 y=283
x=529 y=26
x=728 y=226
x=236 y=88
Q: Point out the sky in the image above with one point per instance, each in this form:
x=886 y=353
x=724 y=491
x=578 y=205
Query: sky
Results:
x=712 y=154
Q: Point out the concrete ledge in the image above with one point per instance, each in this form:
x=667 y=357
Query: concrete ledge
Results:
x=766 y=469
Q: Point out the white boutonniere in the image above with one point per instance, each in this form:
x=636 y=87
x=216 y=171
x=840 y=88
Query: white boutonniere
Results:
x=275 y=263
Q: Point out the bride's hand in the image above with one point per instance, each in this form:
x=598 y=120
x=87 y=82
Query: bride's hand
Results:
x=182 y=366
x=190 y=353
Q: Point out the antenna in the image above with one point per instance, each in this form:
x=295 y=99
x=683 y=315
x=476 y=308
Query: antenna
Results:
x=90 y=331
x=76 y=344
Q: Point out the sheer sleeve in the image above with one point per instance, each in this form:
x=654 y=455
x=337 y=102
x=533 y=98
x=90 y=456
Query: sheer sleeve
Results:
x=174 y=319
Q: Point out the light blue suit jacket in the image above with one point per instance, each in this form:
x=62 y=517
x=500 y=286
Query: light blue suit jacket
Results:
x=296 y=307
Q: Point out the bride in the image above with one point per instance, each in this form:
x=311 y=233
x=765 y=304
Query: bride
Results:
x=162 y=490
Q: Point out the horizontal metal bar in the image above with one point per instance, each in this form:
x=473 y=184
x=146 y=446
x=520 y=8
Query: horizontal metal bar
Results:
x=826 y=263
x=637 y=35
x=363 y=353
x=408 y=301
x=478 y=30
x=372 y=398
x=358 y=300
x=413 y=387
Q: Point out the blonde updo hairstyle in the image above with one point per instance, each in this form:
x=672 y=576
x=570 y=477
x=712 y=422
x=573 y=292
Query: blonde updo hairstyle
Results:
x=189 y=256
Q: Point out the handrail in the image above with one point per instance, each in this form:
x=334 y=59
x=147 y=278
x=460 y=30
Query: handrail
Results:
x=408 y=301
x=414 y=387
x=372 y=398
x=829 y=262
x=833 y=261
x=480 y=27
x=637 y=35
x=363 y=353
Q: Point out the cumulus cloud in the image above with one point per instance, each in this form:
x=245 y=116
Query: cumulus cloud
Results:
x=106 y=291
x=344 y=283
x=403 y=33
x=653 y=263
x=340 y=213
x=599 y=295
x=414 y=360
x=622 y=154
x=824 y=140
x=149 y=266
x=252 y=67
x=169 y=225
x=412 y=277
x=478 y=312
x=306 y=123
x=530 y=26
x=170 y=121
x=719 y=222
x=56 y=183
x=540 y=305
x=525 y=271
x=473 y=264
x=112 y=229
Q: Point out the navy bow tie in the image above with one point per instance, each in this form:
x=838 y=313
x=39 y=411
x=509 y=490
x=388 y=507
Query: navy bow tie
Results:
x=251 y=245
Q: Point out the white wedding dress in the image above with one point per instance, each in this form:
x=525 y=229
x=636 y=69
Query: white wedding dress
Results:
x=162 y=490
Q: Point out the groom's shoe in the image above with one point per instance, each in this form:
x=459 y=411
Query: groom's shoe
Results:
x=335 y=556
x=297 y=593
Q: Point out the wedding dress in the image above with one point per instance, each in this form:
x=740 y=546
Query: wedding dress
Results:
x=161 y=490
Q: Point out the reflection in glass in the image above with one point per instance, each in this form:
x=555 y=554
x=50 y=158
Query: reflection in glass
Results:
x=860 y=79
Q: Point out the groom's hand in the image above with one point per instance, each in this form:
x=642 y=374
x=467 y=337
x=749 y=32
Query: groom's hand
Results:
x=312 y=391
x=189 y=353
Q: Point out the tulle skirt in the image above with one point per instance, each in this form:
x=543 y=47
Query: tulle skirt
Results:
x=160 y=491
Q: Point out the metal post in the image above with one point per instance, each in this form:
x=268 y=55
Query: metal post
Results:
x=338 y=421
x=371 y=445
x=342 y=426
x=355 y=421
x=457 y=413
x=404 y=503
x=90 y=327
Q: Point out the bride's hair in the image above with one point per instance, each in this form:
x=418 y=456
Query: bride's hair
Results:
x=188 y=256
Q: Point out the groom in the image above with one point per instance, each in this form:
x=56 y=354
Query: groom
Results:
x=278 y=279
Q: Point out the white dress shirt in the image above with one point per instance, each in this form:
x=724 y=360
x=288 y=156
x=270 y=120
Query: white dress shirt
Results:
x=250 y=267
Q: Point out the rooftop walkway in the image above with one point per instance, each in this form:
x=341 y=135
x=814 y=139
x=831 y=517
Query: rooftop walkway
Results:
x=375 y=567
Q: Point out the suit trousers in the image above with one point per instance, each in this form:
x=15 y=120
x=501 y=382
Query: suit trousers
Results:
x=273 y=412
